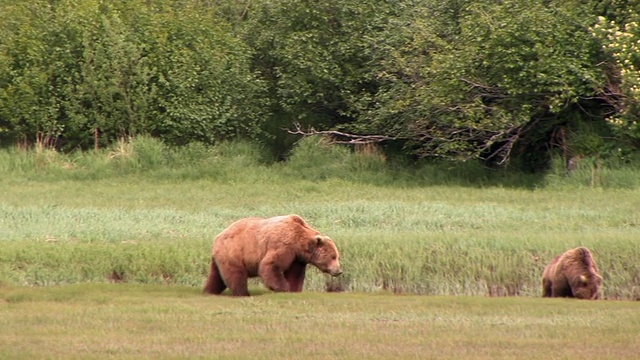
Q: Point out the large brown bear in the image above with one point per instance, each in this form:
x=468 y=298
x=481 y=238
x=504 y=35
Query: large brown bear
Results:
x=276 y=249
x=573 y=274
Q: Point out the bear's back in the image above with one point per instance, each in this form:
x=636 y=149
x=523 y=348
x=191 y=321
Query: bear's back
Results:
x=249 y=239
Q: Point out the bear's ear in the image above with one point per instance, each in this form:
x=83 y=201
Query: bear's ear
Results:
x=319 y=240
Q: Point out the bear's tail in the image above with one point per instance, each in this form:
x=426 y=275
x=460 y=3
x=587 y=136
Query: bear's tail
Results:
x=214 y=284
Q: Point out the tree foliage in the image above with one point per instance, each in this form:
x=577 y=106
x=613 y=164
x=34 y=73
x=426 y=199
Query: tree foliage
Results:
x=621 y=41
x=493 y=75
x=319 y=58
x=74 y=69
x=458 y=79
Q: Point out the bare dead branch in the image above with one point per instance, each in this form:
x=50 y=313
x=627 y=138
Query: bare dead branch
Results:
x=435 y=140
x=339 y=137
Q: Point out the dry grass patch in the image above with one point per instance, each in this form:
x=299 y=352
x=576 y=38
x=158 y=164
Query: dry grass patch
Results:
x=134 y=321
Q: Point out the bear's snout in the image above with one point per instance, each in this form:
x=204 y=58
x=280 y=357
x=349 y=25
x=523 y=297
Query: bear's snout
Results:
x=335 y=272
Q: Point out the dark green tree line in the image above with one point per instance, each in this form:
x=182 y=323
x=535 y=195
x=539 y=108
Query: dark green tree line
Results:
x=457 y=79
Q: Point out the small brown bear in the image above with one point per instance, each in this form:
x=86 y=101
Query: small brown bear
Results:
x=573 y=274
x=276 y=249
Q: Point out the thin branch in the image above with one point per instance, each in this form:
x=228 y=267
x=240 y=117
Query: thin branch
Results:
x=243 y=15
x=340 y=137
x=478 y=85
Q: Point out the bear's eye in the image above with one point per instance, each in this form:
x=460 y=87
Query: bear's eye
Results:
x=334 y=257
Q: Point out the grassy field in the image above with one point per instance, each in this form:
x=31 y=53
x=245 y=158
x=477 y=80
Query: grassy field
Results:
x=437 y=240
x=105 y=254
x=120 y=321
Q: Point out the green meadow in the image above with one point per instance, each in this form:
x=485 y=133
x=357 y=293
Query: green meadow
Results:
x=104 y=254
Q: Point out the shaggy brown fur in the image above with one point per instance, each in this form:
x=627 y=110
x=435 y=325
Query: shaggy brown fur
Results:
x=276 y=249
x=573 y=274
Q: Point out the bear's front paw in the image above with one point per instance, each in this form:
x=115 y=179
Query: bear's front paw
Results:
x=282 y=287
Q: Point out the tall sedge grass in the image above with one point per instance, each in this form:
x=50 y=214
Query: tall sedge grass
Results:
x=593 y=172
x=442 y=266
x=420 y=247
x=142 y=212
x=316 y=159
x=133 y=156
x=313 y=159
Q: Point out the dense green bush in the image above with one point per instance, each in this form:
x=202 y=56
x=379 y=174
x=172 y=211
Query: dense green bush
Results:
x=85 y=74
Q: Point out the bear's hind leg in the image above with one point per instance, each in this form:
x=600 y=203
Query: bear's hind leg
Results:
x=546 y=288
x=561 y=291
x=214 y=284
x=238 y=282
x=295 y=276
